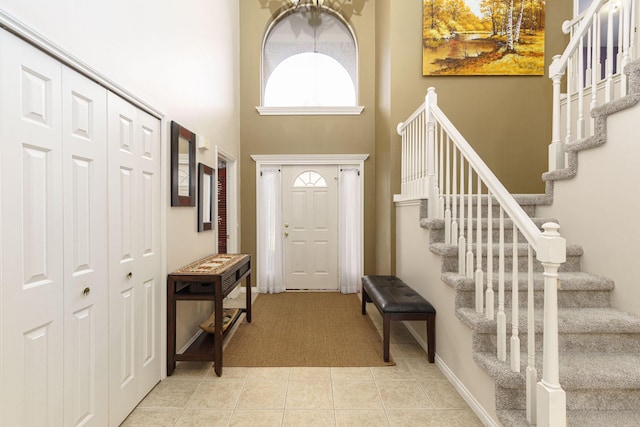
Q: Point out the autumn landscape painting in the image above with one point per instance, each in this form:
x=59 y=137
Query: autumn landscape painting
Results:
x=483 y=37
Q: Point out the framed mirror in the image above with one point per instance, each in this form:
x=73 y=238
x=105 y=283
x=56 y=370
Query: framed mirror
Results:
x=183 y=166
x=206 y=191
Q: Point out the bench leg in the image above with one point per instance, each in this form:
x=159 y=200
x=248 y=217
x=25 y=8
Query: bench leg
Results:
x=364 y=301
x=386 y=332
x=431 y=337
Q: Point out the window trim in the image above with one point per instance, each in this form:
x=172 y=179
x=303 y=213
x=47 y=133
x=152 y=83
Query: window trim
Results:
x=303 y=110
x=310 y=111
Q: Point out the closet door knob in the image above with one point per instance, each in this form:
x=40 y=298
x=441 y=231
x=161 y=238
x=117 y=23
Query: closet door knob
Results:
x=86 y=291
x=130 y=275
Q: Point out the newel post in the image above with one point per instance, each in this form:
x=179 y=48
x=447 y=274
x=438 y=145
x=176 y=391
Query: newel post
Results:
x=551 y=399
x=556 y=151
x=431 y=100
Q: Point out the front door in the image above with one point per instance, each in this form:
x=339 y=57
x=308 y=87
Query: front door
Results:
x=310 y=226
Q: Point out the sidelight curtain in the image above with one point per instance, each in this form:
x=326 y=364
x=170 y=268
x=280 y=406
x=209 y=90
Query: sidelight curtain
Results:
x=349 y=230
x=270 y=248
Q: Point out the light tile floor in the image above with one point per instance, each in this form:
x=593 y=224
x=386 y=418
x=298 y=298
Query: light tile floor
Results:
x=411 y=393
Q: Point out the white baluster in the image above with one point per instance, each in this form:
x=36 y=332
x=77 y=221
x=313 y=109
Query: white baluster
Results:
x=479 y=275
x=589 y=81
x=501 y=318
x=454 y=196
x=608 y=92
x=551 y=398
x=556 y=153
x=570 y=67
x=470 y=226
x=626 y=45
x=447 y=212
x=595 y=69
x=580 y=99
x=515 y=338
x=462 y=242
x=432 y=184
x=490 y=301
x=441 y=184
x=532 y=372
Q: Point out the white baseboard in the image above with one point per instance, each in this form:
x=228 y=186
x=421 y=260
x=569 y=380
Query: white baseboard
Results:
x=475 y=406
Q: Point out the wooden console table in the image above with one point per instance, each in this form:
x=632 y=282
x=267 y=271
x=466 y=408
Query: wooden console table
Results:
x=211 y=278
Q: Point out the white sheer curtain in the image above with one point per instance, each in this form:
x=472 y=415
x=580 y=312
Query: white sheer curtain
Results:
x=349 y=230
x=270 y=250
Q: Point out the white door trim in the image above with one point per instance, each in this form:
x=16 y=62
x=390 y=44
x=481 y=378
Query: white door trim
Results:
x=340 y=160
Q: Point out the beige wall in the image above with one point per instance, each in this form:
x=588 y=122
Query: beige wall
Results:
x=303 y=134
x=181 y=60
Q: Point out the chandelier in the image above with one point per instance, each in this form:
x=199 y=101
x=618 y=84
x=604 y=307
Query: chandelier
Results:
x=313 y=3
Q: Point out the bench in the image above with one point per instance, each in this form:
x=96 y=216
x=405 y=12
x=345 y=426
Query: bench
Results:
x=397 y=301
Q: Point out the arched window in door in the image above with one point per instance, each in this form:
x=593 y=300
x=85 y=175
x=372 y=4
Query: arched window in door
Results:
x=309 y=179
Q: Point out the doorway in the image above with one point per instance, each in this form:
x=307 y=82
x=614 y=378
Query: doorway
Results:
x=271 y=185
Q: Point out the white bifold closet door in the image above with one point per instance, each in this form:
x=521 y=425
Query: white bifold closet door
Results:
x=134 y=254
x=80 y=250
x=54 y=242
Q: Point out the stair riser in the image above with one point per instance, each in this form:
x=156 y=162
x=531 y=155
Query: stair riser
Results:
x=450 y=264
x=586 y=343
x=566 y=299
x=592 y=399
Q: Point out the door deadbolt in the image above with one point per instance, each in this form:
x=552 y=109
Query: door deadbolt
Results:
x=286 y=225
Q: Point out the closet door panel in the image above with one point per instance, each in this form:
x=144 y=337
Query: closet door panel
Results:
x=84 y=106
x=31 y=278
x=135 y=255
x=150 y=254
x=123 y=257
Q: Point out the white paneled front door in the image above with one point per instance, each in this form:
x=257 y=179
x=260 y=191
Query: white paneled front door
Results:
x=310 y=217
x=134 y=256
x=32 y=237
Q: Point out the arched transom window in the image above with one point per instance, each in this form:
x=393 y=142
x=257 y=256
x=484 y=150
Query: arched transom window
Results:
x=309 y=59
x=309 y=179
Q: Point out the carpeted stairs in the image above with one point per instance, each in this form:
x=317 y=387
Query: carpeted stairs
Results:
x=599 y=345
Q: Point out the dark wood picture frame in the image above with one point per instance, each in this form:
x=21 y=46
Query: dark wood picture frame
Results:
x=206 y=191
x=183 y=166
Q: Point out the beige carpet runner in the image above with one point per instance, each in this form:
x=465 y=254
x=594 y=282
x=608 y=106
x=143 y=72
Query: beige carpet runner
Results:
x=305 y=329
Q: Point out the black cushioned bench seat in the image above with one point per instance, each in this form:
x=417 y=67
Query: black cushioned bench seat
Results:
x=397 y=301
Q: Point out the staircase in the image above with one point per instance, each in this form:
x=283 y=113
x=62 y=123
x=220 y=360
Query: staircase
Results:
x=599 y=345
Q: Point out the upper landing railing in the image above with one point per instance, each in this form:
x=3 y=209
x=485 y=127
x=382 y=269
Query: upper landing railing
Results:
x=603 y=41
x=438 y=164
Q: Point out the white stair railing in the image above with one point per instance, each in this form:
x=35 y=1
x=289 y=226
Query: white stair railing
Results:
x=602 y=44
x=440 y=177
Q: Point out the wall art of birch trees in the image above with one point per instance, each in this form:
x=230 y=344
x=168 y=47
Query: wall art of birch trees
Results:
x=483 y=37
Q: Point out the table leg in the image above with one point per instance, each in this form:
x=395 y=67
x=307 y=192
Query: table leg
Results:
x=217 y=341
x=248 y=303
x=171 y=326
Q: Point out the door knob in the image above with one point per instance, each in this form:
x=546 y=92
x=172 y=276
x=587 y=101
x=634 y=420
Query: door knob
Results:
x=286 y=234
x=86 y=291
x=130 y=275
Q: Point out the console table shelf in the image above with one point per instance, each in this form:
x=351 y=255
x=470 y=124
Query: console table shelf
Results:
x=211 y=278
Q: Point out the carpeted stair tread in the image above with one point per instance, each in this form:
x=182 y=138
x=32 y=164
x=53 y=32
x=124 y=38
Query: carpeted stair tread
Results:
x=569 y=281
x=578 y=418
x=578 y=371
x=570 y=320
x=444 y=249
x=438 y=223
